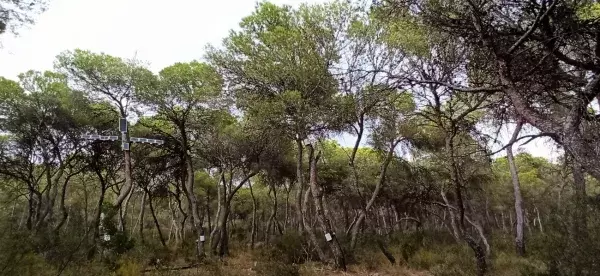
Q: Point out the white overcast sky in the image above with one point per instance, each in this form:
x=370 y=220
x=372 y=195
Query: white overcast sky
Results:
x=158 y=32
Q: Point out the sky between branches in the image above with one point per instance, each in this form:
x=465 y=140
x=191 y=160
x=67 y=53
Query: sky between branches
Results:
x=149 y=30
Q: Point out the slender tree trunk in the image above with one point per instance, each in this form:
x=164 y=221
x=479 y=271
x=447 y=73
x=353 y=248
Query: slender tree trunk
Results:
x=287 y=206
x=309 y=229
x=215 y=235
x=156 y=223
x=458 y=224
x=223 y=243
x=141 y=218
x=208 y=212
x=254 y=205
x=380 y=183
x=300 y=181
x=537 y=212
x=325 y=224
x=99 y=206
x=274 y=211
x=193 y=203
x=519 y=229
x=63 y=209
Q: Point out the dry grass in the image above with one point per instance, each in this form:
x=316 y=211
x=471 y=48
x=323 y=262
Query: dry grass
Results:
x=242 y=264
x=317 y=269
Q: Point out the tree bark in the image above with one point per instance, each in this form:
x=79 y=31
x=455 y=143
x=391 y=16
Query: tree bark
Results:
x=141 y=218
x=458 y=224
x=63 y=208
x=221 y=246
x=253 y=230
x=156 y=223
x=128 y=183
x=300 y=181
x=519 y=227
x=193 y=203
x=363 y=212
x=215 y=235
x=324 y=222
x=309 y=229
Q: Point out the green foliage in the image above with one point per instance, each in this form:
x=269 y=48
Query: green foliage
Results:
x=283 y=57
x=119 y=242
x=104 y=76
x=288 y=249
x=588 y=10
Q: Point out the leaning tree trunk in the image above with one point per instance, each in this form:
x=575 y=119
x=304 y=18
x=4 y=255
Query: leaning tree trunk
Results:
x=458 y=222
x=363 y=213
x=141 y=218
x=155 y=219
x=519 y=232
x=325 y=224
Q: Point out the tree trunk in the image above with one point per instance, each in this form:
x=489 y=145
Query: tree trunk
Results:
x=141 y=219
x=220 y=232
x=208 y=212
x=223 y=248
x=126 y=189
x=193 y=203
x=380 y=183
x=123 y=211
x=215 y=235
x=309 y=229
x=325 y=224
x=458 y=224
x=300 y=181
x=253 y=230
x=63 y=209
x=386 y=252
x=519 y=229
x=156 y=223
x=287 y=206
x=276 y=224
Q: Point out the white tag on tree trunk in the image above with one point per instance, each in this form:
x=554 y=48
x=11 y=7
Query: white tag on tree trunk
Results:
x=106 y=237
x=201 y=238
x=328 y=237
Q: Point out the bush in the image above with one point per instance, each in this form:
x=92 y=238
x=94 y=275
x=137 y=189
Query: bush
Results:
x=370 y=259
x=129 y=267
x=277 y=269
x=290 y=248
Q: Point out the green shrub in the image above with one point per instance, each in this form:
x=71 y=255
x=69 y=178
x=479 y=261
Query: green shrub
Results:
x=289 y=248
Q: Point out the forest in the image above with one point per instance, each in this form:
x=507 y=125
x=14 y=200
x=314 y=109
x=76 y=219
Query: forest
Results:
x=233 y=164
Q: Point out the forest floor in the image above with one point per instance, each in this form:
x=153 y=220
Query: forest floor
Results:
x=243 y=264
